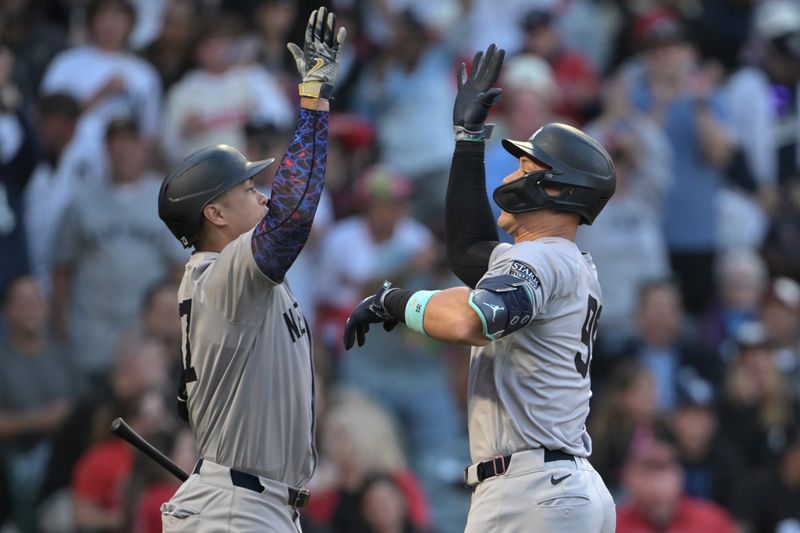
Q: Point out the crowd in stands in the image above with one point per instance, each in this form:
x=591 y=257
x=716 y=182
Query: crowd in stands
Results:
x=696 y=409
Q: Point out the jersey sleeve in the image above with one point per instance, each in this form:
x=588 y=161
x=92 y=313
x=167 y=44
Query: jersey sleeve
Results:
x=520 y=281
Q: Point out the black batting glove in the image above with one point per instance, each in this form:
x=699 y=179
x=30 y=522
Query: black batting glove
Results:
x=318 y=61
x=476 y=95
x=371 y=310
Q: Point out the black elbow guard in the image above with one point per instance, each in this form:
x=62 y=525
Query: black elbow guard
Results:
x=503 y=303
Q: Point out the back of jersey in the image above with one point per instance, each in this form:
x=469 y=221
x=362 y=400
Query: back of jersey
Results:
x=532 y=388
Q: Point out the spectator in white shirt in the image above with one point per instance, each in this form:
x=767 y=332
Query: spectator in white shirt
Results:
x=107 y=79
x=212 y=104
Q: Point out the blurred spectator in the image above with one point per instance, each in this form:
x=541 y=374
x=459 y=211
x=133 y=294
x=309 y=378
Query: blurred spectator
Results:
x=67 y=164
x=381 y=507
x=274 y=20
x=777 y=26
x=770 y=500
x=33 y=39
x=626 y=410
x=150 y=484
x=781 y=247
x=112 y=247
x=159 y=320
x=382 y=242
x=101 y=474
x=37 y=389
x=660 y=346
x=681 y=95
x=351 y=150
x=104 y=77
x=720 y=28
x=780 y=314
x=654 y=481
x=530 y=96
x=765 y=119
x=406 y=374
x=17 y=161
x=626 y=243
x=213 y=103
x=577 y=81
x=171 y=52
x=488 y=24
x=139 y=371
x=756 y=408
x=710 y=463
x=409 y=93
x=359 y=441
x=741 y=281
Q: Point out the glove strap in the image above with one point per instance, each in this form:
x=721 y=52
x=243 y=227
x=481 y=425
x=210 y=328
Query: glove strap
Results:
x=484 y=133
x=315 y=89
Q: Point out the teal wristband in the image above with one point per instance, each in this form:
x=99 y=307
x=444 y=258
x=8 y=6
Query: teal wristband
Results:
x=415 y=310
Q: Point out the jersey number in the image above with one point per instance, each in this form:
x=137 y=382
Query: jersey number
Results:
x=588 y=336
x=185 y=310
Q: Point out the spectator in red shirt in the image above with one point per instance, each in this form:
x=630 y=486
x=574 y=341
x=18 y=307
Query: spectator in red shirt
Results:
x=101 y=474
x=578 y=83
x=653 y=479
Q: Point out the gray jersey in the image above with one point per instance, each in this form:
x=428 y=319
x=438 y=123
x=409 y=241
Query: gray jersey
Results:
x=532 y=388
x=251 y=404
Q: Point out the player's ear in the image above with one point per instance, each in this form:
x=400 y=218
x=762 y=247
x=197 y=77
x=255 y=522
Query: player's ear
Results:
x=214 y=213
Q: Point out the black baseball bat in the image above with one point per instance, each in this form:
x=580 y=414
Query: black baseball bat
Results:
x=121 y=429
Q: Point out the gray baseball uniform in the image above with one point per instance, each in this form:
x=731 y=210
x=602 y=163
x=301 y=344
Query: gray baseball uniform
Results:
x=251 y=404
x=529 y=392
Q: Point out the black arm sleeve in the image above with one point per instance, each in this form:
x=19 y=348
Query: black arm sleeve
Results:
x=470 y=230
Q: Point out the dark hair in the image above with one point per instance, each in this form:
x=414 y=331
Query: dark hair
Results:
x=96 y=6
x=646 y=287
x=122 y=124
x=59 y=104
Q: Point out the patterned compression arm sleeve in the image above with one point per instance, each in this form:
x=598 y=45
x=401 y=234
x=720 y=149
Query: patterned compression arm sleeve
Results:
x=279 y=237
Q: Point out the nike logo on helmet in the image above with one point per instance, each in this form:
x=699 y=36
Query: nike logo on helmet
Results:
x=555 y=481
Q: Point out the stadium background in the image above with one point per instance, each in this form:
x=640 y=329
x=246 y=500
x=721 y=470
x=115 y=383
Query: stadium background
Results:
x=697 y=369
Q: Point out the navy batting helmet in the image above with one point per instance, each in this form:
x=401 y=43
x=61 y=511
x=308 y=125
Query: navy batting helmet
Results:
x=578 y=165
x=200 y=178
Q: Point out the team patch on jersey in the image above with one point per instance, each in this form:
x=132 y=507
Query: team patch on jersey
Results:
x=523 y=271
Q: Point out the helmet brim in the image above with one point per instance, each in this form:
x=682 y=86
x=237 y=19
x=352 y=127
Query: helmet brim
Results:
x=518 y=148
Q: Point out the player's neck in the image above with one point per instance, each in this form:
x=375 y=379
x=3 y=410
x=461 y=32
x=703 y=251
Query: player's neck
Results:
x=540 y=224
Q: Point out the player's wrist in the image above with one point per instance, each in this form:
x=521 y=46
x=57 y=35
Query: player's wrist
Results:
x=414 y=315
x=315 y=104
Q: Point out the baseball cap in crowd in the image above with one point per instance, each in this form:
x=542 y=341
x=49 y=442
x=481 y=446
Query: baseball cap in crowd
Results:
x=657 y=28
x=537 y=18
x=527 y=71
x=381 y=183
x=778 y=23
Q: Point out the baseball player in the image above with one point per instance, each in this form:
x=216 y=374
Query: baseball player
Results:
x=248 y=372
x=530 y=312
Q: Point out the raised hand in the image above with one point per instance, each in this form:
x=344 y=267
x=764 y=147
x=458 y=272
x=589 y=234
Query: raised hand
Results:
x=370 y=311
x=318 y=61
x=475 y=92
